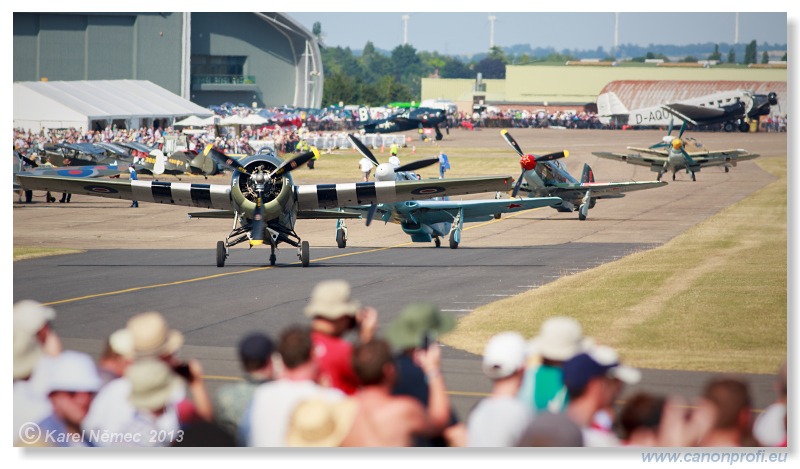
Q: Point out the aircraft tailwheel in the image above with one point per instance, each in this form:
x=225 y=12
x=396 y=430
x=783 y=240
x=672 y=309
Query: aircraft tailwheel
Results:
x=304 y=253
x=340 y=239
x=693 y=177
x=221 y=254
x=673 y=176
x=727 y=169
x=453 y=242
x=437 y=242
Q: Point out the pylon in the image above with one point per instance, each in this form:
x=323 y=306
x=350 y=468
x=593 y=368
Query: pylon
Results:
x=413 y=149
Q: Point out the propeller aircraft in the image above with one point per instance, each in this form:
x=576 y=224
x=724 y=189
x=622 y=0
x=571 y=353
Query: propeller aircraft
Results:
x=430 y=220
x=545 y=176
x=262 y=199
x=670 y=155
x=410 y=119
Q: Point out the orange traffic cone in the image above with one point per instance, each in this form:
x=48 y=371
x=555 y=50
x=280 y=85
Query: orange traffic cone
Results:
x=413 y=149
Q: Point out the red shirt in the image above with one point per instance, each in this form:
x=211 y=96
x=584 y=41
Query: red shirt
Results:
x=334 y=356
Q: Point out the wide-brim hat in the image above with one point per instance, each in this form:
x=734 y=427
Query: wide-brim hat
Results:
x=30 y=316
x=417 y=319
x=151 y=335
x=318 y=422
x=70 y=371
x=27 y=352
x=152 y=383
x=560 y=338
x=331 y=299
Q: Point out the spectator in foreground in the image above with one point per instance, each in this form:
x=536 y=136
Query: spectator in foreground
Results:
x=500 y=419
x=273 y=402
x=333 y=314
x=410 y=335
x=591 y=379
x=232 y=400
x=402 y=417
x=770 y=426
x=560 y=338
x=732 y=426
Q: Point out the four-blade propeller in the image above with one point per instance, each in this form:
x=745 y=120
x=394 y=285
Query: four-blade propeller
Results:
x=528 y=162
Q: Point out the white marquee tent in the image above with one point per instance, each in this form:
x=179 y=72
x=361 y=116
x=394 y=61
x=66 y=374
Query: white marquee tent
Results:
x=96 y=104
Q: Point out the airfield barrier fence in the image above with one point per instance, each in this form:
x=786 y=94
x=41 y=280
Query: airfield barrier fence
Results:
x=338 y=142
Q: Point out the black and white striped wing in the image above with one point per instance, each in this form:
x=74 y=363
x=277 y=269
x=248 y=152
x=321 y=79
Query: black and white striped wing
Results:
x=211 y=196
x=321 y=196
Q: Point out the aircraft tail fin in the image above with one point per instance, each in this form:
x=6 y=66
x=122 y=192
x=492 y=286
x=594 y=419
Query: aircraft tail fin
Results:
x=588 y=174
x=609 y=104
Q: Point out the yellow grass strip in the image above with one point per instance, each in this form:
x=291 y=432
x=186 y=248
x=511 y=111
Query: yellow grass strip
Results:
x=713 y=298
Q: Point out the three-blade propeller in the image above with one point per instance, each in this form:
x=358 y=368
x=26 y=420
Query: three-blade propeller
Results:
x=667 y=141
x=260 y=181
x=528 y=162
x=413 y=166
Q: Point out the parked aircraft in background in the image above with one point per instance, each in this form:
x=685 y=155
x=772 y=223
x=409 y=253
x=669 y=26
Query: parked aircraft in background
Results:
x=430 y=220
x=409 y=119
x=545 y=176
x=670 y=155
x=262 y=199
x=732 y=109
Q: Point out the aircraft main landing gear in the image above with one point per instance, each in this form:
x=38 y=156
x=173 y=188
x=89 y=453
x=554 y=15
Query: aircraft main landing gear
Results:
x=341 y=238
x=303 y=253
x=437 y=242
x=222 y=253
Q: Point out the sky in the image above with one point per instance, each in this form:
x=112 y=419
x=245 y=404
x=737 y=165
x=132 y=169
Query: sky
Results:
x=468 y=33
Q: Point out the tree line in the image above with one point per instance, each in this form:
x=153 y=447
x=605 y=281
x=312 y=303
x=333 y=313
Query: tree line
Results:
x=376 y=78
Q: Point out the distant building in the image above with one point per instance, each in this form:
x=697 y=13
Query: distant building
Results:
x=577 y=87
x=209 y=58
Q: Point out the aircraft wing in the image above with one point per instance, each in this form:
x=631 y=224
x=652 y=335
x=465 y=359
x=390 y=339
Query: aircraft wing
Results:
x=92 y=171
x=321 y=196
x=721 y=157
x=603 y=190
x=650 y=157
x=213 y=196
x=694 y=114
x=326 y=214
x=437 y=211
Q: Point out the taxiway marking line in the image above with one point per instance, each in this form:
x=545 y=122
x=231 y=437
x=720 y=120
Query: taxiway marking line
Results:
x=246 y=271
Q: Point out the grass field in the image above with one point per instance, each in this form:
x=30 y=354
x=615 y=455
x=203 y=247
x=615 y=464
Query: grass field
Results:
x=23 y=253
x=712 y=299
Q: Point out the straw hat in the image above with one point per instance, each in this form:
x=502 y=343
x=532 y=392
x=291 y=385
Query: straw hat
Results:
x=318 y=422
x=151 y=335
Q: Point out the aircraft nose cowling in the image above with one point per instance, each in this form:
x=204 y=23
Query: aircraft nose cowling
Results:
x=528 y=162
x=677 y=144
x=384 y=172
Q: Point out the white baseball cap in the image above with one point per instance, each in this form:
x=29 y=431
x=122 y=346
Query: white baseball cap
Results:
x=504 y=354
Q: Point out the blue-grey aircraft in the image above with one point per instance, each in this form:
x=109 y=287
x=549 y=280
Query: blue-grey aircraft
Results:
x=430 y=220
x=545 y=176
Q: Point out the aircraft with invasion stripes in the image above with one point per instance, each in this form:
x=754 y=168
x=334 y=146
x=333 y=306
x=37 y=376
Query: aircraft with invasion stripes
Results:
x=262 y=199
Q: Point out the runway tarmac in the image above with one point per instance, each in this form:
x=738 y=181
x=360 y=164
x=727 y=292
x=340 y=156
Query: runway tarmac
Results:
x=155 y=258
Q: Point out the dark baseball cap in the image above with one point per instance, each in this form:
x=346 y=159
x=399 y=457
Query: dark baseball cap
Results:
x=255 y=347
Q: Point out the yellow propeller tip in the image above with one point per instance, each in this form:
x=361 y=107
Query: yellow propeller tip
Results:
x=315 y=151
x=503 y=132
x=256 y=242
x=566 y=153
x=207 y=149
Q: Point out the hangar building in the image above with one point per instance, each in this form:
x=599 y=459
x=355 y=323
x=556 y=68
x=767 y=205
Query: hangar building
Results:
x=208 y=58
x=577 y=86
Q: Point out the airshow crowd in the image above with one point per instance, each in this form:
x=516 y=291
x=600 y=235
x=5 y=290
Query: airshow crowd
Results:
x=334 y=378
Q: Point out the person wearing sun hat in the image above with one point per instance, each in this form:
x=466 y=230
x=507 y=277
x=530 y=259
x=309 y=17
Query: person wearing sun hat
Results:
x=34 y=318
x=416 y=329
x=71 y=384
x=500 y=419
x=152 y=338
x=333 y=313
x=152 y=385
x=559 y=339
x=319 y=422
